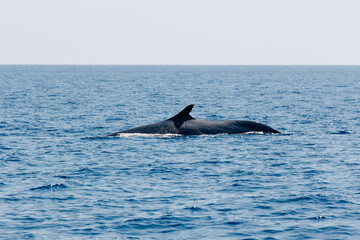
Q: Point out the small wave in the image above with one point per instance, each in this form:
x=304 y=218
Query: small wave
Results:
x=318 y=218
x=194 y=209
x=11 y=199
x=50 y=187
x=95 y=138
x=232 y=223
x=3 y=124
x=13 y=158
x=62 y=176
x=167 y=222
x=343 y=132
x=2 y=147
x=83 y=172
x=314 y=198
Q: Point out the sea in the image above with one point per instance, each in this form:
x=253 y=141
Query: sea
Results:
x=62 y=177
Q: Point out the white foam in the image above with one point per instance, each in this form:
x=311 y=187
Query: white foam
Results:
x=149 y=135
x=172 y=135
x=253 y=132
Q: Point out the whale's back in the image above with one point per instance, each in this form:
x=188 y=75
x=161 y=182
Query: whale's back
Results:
x=198 y=127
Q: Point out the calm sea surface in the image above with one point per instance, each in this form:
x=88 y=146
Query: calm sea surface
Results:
x=62 y=178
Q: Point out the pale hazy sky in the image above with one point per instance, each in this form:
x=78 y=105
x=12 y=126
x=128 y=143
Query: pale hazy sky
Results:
x=180 y=32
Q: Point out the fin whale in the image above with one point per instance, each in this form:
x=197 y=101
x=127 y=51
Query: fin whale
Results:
x=183 y=123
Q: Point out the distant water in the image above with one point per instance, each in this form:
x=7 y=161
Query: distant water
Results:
x=61 y=178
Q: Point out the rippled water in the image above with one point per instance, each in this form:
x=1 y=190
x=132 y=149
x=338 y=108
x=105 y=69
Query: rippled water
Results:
x=61 y=177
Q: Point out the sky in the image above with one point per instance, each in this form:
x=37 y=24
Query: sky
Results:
x=184 y=32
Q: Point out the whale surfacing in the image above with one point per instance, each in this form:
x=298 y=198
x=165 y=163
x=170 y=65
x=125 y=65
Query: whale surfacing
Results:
x=184 y=124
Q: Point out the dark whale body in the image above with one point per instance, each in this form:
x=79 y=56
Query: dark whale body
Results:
x=183 y=123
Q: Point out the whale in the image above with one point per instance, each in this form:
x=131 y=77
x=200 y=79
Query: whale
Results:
x=184 y=124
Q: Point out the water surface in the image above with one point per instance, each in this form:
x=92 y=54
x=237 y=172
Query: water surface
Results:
x=61 y=177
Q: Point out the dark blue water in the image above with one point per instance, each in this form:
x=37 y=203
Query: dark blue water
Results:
x=61 y=178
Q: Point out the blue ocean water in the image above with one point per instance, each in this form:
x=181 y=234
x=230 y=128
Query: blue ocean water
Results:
x=61 y=177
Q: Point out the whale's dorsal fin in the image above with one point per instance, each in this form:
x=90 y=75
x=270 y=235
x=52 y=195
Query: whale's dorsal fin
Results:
x=182 y=116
